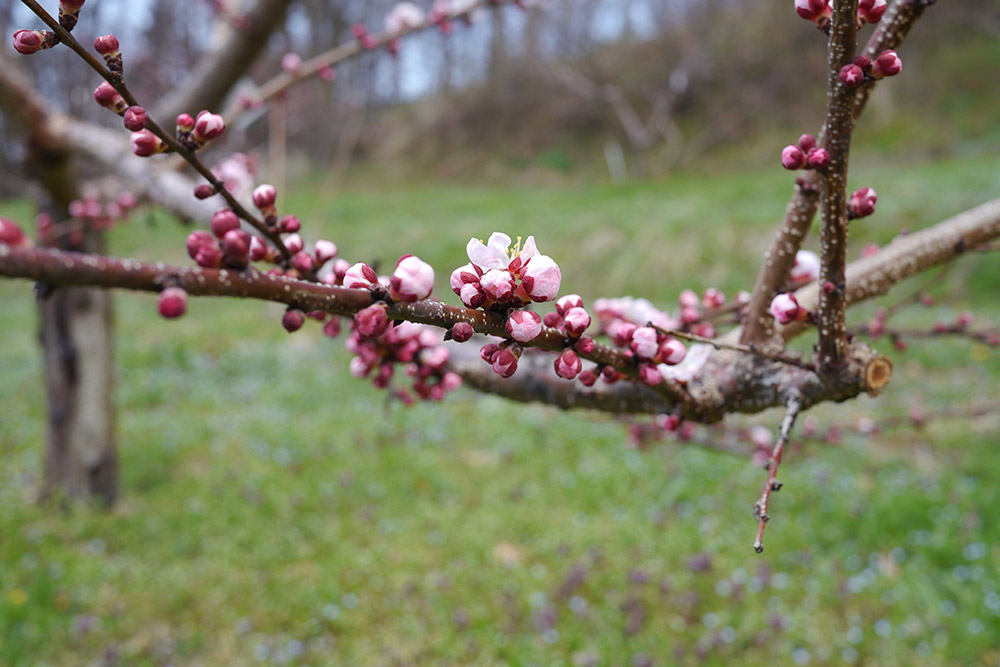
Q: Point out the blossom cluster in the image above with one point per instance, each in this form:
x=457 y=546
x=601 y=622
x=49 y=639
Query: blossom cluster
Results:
x=804 y=154
x=864 y=69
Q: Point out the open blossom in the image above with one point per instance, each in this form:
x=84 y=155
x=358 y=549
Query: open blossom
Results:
x=412 y=280
x=538 y=274
x=403 y=16
x=806 y=268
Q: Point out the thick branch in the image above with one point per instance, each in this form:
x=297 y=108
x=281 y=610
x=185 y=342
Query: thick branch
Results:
x=908 y=255
x=780 y=256
x=833 y=189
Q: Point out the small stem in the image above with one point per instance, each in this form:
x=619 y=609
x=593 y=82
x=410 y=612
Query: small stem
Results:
x=747 y=349
x=772 y=484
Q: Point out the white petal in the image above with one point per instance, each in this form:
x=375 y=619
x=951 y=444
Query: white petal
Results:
x=484 y=257
x=529 y=250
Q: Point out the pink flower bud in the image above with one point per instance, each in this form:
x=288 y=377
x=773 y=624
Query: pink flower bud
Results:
x=461 y=332
x=689 y=315
x=564 y=303
x=863 y=61
x=302 y=262
x=806 y=142
x=289 y=224
x=621 y=332
x=325 y=251
x=650 y=374
x=585 y=345
x=644 y=343
x=472 y=295
x=209 y=256
x=713 y=298
x=412 y=279
x=360 y=276
x=264 y=197
x=236 y=248
x=568 y=365
x=813 y=10
x=294 y=243
x=851 y=76
x=198 y=239
x=703 y=329
x=871 y=11
x=209 y=126
x=327 y=73
x=498 y=284
x=887 y=64
x=291 y=62
x=185 y=123
x=27 y=42
x=332 y=327
x=293 y=319
x=173 y=302
x=109 y=98
x=862 y=203
x=505 y=363
x=524 y=325
x=106 y=45
x=541 y=278
x=576 y=321
x=203 y=191
x=258 y=249
x=818 y=158
x=135 y=118
x=145 y=143
x=964 y=320
x=671 y=352
x=806 y=268
x=488 y=352
x=372 y=321
x=552 y=320
x=785 y=308
x=403 y=16
x=461 y=276
x=224 y=221
x=688 y=299
x=588 y=378
x=11 y=234
x=792 y=157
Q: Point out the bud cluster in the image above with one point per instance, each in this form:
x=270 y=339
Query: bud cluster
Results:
x=863 y=69
x=415 y=345
x=804 y=155
x=499 y=277
x=821 y=11
x=193 y=133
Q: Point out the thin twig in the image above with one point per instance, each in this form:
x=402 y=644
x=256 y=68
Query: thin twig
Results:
x=772 y=484
x=738 y=347
x=189 y=156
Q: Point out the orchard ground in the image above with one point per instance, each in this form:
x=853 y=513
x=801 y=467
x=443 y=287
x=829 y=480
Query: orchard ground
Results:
x=275 y=510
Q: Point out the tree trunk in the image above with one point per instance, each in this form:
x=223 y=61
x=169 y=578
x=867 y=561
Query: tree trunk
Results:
x=81 y=461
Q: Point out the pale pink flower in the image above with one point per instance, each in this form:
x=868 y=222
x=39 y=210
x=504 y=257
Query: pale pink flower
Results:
x=524 y=325
x=360 y=276
x=403 y=16
x=412 y=280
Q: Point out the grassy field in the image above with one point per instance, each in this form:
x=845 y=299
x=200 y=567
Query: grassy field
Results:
x=277 y=511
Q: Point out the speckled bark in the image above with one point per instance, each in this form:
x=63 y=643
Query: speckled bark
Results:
x=780 y=257
x=833 y=189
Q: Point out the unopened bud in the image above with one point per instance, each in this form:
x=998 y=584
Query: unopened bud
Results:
x=106 y=45
x=236 y=248
x=185 y=123
x=302 y=262
x=325 y=251
x=293 y=319
x=524 y=325
x=223 y=221
x=412 y=279
x=461 y=332
x=713 y=298
x=650 y=375
x=568 y=365
x=173 y=302
x=818 y=158
x=27 y=42
x=204 y=191
x=289 y=224
x=109 y=98
x=785 y=308
x=135 y=118
x=264 y=197
x=671 y=352
x=813 y=10
x=505 y=363
x=258 y=249
x=360 y=276
x=208 y=126
x=372 y=321
x=852 y=76
x=871 y=11
x=576 y=321
x=792 y=157
x=11 y=234
x=332 y=327
x=887 y=64
x=145 y=143
x=862 y=203
x=585 y=345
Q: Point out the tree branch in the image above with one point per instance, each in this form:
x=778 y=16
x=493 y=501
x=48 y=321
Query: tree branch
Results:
x=780 y=256
x=772 y=483
x=833 y=189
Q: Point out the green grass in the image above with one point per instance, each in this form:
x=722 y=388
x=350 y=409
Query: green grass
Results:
x=276 y=511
